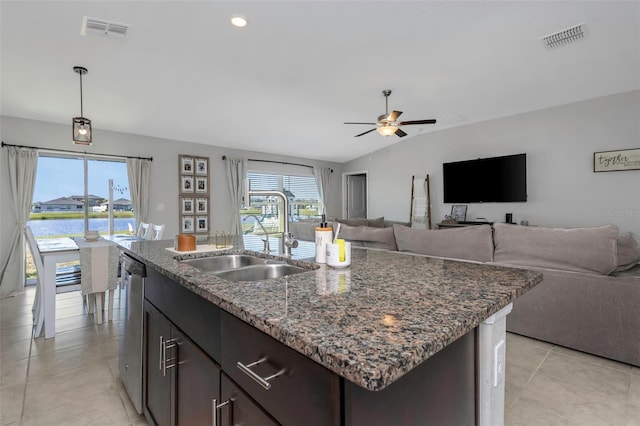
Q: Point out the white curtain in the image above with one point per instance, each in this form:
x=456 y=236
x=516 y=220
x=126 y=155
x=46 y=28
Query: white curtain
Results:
x=323 y=181
x=236 y=170
x=23 y=163
x=138 y=174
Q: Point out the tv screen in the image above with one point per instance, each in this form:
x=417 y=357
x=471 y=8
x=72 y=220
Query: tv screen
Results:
x=496 y=179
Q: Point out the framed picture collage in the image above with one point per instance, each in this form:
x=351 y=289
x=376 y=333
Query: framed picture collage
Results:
x=193 y=179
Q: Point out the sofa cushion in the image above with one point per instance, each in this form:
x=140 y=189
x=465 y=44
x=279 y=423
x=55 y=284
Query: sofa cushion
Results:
x=590 y=250
x=368 y=236
x=305 y=230
x=468 y=243
x=377 y=222
x=628 y=251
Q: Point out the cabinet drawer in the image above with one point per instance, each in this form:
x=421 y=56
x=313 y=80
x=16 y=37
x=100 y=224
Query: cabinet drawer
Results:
x=305 y=393
x=194 y=315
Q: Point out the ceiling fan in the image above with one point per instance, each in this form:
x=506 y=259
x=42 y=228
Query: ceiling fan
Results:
x=387 y=124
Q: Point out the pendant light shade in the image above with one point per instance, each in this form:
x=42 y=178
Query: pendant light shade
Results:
x=81 y=130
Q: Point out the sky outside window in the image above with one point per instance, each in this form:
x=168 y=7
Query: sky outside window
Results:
x=63 y=177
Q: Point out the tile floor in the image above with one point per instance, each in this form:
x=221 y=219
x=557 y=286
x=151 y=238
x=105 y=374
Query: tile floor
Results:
x=73 y=378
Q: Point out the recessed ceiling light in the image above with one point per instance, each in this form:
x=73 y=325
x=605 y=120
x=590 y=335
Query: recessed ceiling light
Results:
x=239 y=21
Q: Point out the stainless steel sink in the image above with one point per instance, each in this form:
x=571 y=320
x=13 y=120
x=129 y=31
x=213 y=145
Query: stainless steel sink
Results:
x=261 y=272
x=224 y=262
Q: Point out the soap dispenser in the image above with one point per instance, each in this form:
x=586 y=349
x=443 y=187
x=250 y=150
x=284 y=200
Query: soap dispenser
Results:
x=324 y=235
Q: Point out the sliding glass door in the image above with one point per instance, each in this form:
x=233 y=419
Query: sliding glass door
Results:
x=72 y=194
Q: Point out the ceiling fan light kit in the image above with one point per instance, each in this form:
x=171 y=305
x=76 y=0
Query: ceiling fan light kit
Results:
x=387 y=130
x=387 y=123
x=81 y=126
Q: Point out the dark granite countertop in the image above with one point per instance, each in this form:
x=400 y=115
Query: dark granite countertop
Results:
x=371 y=322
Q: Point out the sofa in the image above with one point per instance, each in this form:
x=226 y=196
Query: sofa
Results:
x=589 y=299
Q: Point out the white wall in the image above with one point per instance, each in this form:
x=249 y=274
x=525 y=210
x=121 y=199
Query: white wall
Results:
x=164 y=169
x=559 y=142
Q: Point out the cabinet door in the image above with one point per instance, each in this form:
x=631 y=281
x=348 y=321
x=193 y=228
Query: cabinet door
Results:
x=239 y=409
x=198 y=383
x=157 y=389
x=301 y=391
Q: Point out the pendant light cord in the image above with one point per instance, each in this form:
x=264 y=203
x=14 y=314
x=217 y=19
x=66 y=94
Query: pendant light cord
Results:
x=81 y=111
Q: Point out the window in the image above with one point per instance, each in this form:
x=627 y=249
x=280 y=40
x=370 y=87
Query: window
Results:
x=301 y=192
x=59 y=196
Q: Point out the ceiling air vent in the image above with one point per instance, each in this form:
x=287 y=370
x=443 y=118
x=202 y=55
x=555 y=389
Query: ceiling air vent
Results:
x=564 y=37
x=95 y=26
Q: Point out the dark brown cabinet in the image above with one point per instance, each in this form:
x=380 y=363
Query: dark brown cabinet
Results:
x=204 y=366
x=237 y=408
x=198 y=384
x=182 y=382
x=157 y=393
x=289 y=386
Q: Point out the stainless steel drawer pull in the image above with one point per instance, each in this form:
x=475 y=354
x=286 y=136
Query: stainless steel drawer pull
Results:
x=264 y=382
x=214 y=410
x=161 y=353
x=164 y=345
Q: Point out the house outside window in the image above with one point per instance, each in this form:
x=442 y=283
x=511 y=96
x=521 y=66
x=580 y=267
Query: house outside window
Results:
x=302 y=193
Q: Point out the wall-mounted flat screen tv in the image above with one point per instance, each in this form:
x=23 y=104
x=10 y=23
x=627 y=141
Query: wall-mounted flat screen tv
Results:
x=496 y=179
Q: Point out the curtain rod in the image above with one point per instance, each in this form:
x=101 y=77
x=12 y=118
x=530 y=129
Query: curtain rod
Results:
x=224 y=157
x=75 y=152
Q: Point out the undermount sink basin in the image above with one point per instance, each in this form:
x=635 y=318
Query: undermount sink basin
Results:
x=261 y=272
x=225 y=262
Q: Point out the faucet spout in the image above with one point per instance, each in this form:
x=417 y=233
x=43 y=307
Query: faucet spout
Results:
x=288 y=241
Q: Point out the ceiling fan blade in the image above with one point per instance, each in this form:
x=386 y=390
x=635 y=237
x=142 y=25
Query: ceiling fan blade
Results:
x=399 y=133
x=352 y=122
x=364 y=133
x=404 y=123
x=393 y=115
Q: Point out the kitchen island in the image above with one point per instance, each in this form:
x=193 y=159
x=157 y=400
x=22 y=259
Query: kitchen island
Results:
x=415 y=339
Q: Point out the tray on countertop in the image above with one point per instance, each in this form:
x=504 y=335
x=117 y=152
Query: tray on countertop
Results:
x=202 y=248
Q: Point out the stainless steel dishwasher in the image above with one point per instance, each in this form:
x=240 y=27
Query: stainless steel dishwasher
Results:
x=133 y=275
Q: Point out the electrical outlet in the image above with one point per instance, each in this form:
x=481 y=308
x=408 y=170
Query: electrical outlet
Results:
x=498 y=363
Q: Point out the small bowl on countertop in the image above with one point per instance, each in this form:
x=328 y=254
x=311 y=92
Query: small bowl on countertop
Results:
x=91 y=235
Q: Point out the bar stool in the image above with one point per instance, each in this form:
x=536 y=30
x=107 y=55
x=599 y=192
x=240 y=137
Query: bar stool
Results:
x=155 y=232
x=143 y=230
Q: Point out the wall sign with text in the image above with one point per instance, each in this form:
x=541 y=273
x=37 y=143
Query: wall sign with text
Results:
x=611 y=161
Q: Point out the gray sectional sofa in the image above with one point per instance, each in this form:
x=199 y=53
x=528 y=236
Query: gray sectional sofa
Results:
x=589 y=299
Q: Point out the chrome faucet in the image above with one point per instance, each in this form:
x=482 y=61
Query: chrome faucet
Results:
x=288 y=242
x=266 y=249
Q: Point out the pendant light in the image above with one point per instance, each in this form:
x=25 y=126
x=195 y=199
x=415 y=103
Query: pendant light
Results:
x=81 y=125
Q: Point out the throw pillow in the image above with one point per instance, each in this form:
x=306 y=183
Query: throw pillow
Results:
x=628 y=251
x=376 y=223
x=368 y=236
x=353 y=222
x=589 y=250
x=467 y=243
